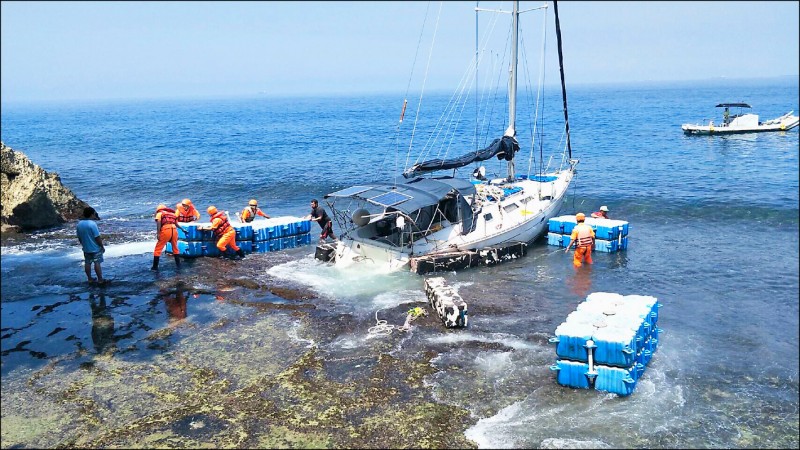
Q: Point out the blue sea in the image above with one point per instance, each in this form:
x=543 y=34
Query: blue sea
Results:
x=714 y=227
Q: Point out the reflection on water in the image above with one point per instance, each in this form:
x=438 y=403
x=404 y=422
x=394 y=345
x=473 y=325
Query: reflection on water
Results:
x=580 y=283
x=102 y=324
x=175 y=302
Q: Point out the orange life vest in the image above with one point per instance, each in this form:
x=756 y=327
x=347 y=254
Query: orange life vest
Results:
x=584 y=238
x=223 y=227
x=186 y=214
x=167 y=216
x=248 y=215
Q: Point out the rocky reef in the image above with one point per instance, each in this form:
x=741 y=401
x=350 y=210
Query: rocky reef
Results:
x=33 y=198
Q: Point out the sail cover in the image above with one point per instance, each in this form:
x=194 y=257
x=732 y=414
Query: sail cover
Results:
x=503 y=148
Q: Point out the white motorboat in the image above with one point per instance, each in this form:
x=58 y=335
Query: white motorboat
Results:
x=742 y=122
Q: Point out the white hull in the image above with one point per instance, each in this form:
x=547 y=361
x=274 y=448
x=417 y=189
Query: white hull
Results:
x=783 y=123
x=509 y=220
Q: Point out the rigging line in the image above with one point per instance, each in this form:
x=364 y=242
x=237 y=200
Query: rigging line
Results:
x=464 y=90
x=457 y=111
x=529 y=96
x=425 y=79
x=486 y=98
x=445 y=125
x=493 y=100
x=542 y=167
x=408 y=86
x=475 y=135
x=479 y=99
x=539 y=90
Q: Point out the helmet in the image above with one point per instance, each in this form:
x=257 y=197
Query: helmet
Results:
x=160 y=207
x=580 y=217
x=187 y=202
x=604 y=208
x=253 y=202
x=212 y=210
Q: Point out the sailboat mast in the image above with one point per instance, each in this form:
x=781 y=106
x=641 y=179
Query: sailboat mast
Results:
x=512 y=84
x=561 y=69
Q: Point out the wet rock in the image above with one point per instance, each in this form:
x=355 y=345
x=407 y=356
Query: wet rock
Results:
x=33 y=198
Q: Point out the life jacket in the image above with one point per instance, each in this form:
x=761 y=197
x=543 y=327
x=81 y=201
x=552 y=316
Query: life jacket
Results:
x=167 y=216
x=599 y=215
x=223 y=227
x=186 y=214
x=584 y=238
x=248 y=215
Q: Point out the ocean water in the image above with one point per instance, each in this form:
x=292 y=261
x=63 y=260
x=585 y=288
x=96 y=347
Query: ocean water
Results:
x=714 y=236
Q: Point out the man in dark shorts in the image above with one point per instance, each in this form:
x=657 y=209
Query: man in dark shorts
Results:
x=319 y=215
x=92 y=244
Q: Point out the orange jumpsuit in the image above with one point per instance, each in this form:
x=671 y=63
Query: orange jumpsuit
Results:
x=189 y=214
x=584 y=236
x=224 y=232
x=165 y=224
x=248 y=215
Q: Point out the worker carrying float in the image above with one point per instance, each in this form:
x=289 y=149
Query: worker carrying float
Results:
x=250 y=213
x=223 y=231
x=582 y=239
x=165 y=232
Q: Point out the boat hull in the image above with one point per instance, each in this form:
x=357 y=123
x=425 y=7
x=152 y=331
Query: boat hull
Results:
x=783 y=124
x=496 y=227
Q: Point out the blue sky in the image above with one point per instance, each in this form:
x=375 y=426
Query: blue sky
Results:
x=105 y=50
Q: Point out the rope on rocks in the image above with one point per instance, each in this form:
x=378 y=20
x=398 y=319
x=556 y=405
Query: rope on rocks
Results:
x=382 y=328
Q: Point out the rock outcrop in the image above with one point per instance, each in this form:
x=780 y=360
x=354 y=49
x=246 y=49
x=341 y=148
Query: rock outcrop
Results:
x=31 y=197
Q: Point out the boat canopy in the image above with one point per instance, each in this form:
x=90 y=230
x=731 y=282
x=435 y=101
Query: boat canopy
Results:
x=733 y=105
x=419 y=199
x=503 y=148
x=408 y=196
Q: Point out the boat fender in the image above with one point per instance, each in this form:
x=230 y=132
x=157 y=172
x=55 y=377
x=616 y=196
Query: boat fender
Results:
x=361 y=217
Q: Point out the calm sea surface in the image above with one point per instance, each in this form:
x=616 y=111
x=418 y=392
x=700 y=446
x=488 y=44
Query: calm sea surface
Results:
x=714 y=236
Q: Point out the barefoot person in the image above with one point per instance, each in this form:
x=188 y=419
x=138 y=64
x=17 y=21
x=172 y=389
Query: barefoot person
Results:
x=92 y=243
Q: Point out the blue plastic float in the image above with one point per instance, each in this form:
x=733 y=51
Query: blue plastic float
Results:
x=260 y=236
x=610 y=235
x=607 y=342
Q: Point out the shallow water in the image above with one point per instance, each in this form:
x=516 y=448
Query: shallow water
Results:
x=275 y=350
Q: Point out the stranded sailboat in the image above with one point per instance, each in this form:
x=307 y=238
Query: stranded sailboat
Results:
x=420 y=214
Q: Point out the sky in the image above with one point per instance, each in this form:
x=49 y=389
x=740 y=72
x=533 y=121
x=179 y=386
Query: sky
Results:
x=137 y=50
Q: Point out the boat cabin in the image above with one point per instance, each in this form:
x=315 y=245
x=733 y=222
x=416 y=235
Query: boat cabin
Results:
x=399 y=214
x=728 y=119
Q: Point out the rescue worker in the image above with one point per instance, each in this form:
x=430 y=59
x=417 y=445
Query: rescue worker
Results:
x=250 y=213
x=602 y=214
x=223 y=231
x=583 y=240
x=166 y=232
x=186 y=211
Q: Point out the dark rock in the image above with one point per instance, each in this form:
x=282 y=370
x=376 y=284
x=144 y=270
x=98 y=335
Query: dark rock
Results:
x=33 y=198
